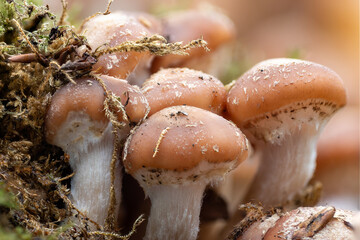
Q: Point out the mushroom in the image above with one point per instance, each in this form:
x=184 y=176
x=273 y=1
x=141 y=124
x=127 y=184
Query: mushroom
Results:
x=183 y=86
x=320 y=222
x=114 y=29
x=173 y=155
x=214 y=27
x=76 y=122
x=282 y=105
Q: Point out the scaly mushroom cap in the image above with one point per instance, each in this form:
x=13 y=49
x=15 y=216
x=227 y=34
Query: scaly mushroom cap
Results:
x=283 y=90
x=183 y=86
x=303 y=223
x=282 y=105
x=87 y=97
x=180 y=139
x=214 y=27
x=114 y=29
x=286 y=84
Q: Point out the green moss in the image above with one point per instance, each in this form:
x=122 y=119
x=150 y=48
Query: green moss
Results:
x=14 y=9
x=295 y=53
x=7 y=199
x=8 y=203
x=7 y=12
x=16 y=234
x=35 y=19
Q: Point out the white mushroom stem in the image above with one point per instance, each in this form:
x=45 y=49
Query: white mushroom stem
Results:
x=90 y=186
x=90 y=146
x=175 y=211
x=285 y=167
x=141 y=71
x=288 y=154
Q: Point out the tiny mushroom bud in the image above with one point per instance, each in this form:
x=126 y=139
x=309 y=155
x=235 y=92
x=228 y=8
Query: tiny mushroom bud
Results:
x=174 y=155
x=113 y=29
x=184 y=26
x=183 y=86
x=316 y=223
x=76 y=122
x=282 y=105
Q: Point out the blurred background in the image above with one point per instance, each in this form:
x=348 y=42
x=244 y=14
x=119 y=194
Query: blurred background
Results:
x=323 y=31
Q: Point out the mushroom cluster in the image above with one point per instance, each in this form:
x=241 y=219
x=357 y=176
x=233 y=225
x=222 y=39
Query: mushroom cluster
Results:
x=181 y=130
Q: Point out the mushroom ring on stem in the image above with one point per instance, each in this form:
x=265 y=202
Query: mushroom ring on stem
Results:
x=76 y=122
x=173 y=155
x=282 y=105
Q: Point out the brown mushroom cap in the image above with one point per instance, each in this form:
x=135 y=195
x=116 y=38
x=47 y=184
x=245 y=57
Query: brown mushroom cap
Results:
x=183 y=86
x=135 y=103
x=317 y=223
x=257 y=92
x=214 y=27
x=303 y=223
x=180 y=138
x=87 y=96
x=114 y=29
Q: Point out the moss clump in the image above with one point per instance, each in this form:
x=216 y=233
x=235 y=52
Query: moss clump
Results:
x=7 y=12
x=8 y=203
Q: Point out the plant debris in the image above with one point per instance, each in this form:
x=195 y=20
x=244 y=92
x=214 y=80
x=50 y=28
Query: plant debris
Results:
x=252 y=213
x=314 y=223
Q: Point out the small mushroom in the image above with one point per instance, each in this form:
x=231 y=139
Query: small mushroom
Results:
x=76 y=122
x=173 y=155
x=282 y=105
x=115 y=28
x=183 y=86
x=184 y=26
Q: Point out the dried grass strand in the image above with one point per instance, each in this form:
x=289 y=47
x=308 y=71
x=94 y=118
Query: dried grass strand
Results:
x=107 y=11
x=155 y=44
x=64 y=12
x=26 y=38
x=137 y=222
x=65 y=73
x=112 y=104
x=71 y=205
